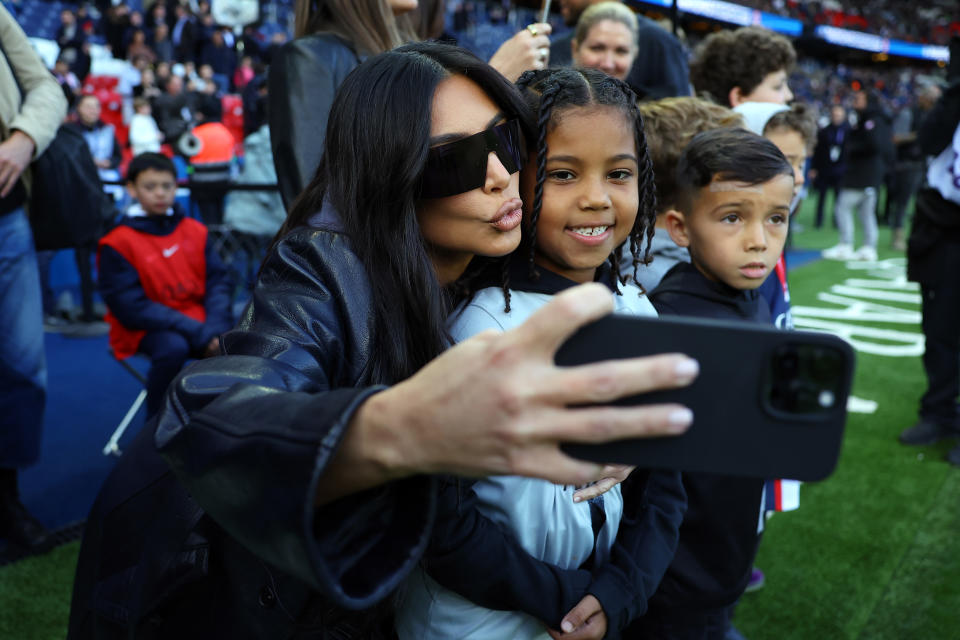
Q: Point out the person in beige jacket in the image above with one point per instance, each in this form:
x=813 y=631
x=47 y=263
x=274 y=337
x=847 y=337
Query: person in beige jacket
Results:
x=27 y=126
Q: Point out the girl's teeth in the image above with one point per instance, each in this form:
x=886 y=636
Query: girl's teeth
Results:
x=590 y=231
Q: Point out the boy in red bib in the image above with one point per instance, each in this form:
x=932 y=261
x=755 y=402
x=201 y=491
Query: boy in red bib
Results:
x=167 y=292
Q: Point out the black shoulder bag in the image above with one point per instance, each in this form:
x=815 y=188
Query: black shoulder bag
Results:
x=68 y=206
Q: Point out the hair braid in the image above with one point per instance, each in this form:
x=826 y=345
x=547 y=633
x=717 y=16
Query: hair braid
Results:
x=505 y=284
x=544 y=112
x=645 y=223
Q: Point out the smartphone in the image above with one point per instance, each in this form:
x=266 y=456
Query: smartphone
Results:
x=767 y=403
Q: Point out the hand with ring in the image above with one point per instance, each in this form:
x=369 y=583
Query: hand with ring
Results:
x=527 y=49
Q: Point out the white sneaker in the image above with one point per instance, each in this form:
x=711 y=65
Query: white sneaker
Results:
x=839 y=252
x=865 y=253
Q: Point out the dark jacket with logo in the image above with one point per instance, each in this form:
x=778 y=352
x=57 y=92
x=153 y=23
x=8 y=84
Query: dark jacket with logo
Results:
x=828 y=156
x=207 y=528
x=869 y=149
x=304 y=77
x=718 y=536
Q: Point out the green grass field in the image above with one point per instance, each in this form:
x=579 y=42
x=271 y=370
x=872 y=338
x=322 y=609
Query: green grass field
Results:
x=873 y=552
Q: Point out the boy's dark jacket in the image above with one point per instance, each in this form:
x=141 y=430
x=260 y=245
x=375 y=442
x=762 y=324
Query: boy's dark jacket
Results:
x=123 y=294
x=718 y=537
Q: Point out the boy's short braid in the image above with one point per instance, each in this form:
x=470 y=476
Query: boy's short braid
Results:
x=544 y=112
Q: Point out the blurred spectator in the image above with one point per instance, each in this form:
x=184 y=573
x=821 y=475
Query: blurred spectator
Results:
x=221 y=57
x=100 y=136
x=828 y=160
x=138 y=47
x=135 y=23
x=144 y=134
x=161 y=44
x=206 y=103
x=173 y=110
x=606 y=39
x=211 y=170
x=69 y=36
x=157 y=17
x=206 y=76
x=866 y=150
x=244 y=73
x=148 y=87
x=67 y=80
x=163 y=74
x=115 y=28
x=910 y=165
x=185 y=34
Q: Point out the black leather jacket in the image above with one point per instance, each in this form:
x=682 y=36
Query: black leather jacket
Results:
x=303 y=80
x=233 y=546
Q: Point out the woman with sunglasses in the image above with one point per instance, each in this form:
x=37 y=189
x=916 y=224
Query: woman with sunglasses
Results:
x=302 y=494
x=332 y=38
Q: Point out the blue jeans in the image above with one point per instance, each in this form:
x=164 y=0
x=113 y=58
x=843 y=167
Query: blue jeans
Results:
x=23 y=367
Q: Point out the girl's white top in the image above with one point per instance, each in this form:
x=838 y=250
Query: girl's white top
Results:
x=542 y=516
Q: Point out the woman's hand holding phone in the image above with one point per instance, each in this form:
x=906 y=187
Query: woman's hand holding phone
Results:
x=497 y=404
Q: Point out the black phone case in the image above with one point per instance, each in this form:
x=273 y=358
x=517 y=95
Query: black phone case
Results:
x=743 y=421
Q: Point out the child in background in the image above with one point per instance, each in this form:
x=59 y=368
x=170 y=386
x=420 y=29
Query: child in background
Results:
x=735 y=190
x=145 y=135
x=794 y=130
x=669 y=124
x=167 y=292
x=527 y=547
x=749 y=64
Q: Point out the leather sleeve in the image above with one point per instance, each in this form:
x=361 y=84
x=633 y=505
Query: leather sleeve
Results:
x=302 y=83
x=250 y=433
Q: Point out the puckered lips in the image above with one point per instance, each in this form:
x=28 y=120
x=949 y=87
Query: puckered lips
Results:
x=509 y=215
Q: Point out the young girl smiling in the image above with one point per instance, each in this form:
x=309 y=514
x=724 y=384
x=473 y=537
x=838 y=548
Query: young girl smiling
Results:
x=582 y=566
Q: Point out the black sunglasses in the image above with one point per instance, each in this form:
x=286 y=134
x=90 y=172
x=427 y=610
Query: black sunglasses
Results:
x=461 y=166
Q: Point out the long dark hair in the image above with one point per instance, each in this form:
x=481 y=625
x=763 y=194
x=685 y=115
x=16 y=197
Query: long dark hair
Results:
x=378 y=137
x=547 y=93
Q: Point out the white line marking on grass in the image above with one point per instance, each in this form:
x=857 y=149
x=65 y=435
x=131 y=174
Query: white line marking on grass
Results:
x=857 y=310
x=861 y=405
x=876 y=294
x=907 y=344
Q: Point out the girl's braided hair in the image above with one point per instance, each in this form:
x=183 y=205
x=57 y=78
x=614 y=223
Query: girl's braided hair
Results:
x=548 y=92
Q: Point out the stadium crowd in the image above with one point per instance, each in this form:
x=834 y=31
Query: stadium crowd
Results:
x=407 y=195
x=932 y=23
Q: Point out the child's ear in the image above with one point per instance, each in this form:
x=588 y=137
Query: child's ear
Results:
x=735 y=97
x=676 y=225
x=130 y=190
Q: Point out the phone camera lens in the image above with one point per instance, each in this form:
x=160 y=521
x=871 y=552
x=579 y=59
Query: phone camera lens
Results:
x=826 y=399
